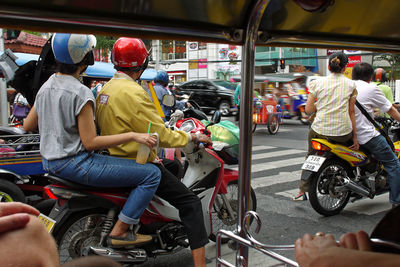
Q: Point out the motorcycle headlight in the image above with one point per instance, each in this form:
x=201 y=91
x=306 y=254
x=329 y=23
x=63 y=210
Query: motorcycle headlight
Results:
x=187 y=126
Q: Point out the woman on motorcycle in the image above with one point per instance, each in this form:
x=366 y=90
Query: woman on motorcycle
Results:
x=332 y=99
x=64 y=112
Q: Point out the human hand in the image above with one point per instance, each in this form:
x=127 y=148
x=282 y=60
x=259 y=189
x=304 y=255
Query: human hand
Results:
x=309 y=248
x=147 y=139
x=358 y=241
x=355 y=145
x=15 y=215
x=202 y=138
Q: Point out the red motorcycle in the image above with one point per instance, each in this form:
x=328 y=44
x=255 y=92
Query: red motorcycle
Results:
x=85 y=215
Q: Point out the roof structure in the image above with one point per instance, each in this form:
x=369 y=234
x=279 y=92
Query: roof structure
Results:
x=26 y=43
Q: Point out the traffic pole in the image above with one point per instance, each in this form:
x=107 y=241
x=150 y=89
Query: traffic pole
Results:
x=3 y=89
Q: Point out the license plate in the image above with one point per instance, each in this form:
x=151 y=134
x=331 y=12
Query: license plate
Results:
x=47 y=221
x=313 y=163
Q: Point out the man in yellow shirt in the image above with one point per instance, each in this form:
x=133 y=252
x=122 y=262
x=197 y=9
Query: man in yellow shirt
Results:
x=122 y=106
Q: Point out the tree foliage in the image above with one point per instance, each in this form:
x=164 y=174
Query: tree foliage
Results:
x=393 y=60
x=105 y=42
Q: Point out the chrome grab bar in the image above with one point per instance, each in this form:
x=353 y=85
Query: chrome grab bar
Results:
x=253 y=243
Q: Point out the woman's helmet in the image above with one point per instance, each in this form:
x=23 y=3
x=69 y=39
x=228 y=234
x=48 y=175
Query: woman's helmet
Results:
x=130 y=53
x=162 y=76
x=380 y=75
x=69 y=48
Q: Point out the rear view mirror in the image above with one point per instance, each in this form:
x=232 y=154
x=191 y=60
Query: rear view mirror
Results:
x=216 y=118
x=168 y=100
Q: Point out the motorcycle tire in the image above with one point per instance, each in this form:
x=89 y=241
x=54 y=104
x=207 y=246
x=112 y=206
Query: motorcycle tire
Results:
x=323 y=198
x=273 y=124
x=220 y=217
x=76 y=233
x=10 y=192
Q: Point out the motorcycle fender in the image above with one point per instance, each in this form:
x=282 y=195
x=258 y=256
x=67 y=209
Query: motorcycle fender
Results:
x=11 y=176
x=73 y=206
x=229 y=176
x=305 y=175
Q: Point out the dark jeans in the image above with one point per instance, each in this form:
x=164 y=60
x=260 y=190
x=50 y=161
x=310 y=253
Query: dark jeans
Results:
x=382 y=151
x=178 y=195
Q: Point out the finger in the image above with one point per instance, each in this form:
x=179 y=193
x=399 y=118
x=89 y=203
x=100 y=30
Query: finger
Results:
x=13 y=222
x=330 y=237
x=16 y=207
x=363 y=241
x=319 y=234
x=349 y=240
x=307 y=237
x=298 y=245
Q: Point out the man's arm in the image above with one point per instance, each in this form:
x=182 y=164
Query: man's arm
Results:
x=394 y=113
x=352 y=114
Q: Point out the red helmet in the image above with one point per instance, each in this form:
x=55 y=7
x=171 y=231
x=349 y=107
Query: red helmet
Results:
x=380 y=75
x=129 y=53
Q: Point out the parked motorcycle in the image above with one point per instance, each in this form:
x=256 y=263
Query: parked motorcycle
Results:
x=337 y=173
x=20 y=167
x=85 y=215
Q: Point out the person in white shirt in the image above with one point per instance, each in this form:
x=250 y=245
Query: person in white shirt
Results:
x=371 y=97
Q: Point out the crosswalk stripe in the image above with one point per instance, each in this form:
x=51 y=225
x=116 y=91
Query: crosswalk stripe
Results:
x=276 y=154
x=264 y=166
x=282 y=177
x=257 y=148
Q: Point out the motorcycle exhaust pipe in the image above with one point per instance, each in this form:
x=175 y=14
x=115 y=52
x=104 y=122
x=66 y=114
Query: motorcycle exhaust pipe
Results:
x=359 y=189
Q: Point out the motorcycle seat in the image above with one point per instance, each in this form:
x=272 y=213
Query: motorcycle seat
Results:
x=58 y=180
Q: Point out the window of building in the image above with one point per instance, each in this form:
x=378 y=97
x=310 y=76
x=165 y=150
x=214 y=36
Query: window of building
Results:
x=171 y=50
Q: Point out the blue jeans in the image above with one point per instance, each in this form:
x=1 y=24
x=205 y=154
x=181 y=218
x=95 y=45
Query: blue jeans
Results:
x=106 y=171
x=381 y=150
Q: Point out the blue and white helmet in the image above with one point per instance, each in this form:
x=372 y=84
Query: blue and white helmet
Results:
x=72 y=48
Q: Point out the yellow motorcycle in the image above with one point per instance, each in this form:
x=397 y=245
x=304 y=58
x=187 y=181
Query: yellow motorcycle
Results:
x=337 y=173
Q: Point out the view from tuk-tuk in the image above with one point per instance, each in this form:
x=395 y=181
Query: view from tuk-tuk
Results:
x=133 y=147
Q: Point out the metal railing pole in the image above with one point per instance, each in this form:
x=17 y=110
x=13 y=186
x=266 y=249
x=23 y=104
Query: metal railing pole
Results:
x=245 y=121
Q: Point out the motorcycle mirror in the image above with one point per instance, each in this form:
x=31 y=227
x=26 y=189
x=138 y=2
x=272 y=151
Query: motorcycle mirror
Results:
x=168 y=100
x=216 y=117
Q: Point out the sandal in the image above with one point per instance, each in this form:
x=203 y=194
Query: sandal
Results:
x=129 y=240
x=300 y=197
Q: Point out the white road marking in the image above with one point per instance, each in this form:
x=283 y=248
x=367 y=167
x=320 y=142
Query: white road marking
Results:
x=277 y=154
x=364 y=206
x=264 y=166
x=282 y=177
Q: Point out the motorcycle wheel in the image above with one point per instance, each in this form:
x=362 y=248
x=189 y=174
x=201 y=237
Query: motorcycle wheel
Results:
x=10 y=192
x=220 y=216
x=323 y=197
x=273 y=124
x=81 y=230
x=224 y=108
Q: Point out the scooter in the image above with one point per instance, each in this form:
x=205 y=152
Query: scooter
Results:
x=337 y=173
x=85 y=215
x=296 y=108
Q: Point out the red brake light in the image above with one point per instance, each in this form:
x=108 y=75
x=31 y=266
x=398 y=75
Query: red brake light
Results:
x=319 y=147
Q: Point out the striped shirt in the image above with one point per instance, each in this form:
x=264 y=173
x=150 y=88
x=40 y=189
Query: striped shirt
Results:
x=332 y=95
